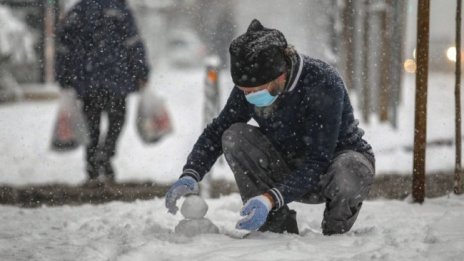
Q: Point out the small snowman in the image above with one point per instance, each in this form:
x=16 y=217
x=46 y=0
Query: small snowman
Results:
x=194 y=210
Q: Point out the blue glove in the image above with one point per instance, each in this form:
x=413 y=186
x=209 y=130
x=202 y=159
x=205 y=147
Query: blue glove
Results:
x=182 y=187
x=255 y=211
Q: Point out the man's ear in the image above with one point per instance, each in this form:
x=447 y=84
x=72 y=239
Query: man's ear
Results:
x=282 y=77
x=281 y=81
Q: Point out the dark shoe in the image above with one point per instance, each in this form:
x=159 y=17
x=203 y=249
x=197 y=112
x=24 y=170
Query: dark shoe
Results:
x=92 y=170
x=108 y=172
x=93 y=183
x=108 y=179
x=280 y=221
x=108 y=169
x=103 y=160
x=333 y=227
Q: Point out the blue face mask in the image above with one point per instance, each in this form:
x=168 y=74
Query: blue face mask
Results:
x=261 y=98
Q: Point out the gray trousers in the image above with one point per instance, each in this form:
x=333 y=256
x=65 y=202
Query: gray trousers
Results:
x=258 y=166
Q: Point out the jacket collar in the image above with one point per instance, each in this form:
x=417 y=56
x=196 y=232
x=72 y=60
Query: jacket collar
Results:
x=295 y=72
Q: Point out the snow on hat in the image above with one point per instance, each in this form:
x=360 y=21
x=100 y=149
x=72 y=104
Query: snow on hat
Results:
x=257 y=57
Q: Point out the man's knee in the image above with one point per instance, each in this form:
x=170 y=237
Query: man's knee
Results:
x=233 y=136
x=349 y=177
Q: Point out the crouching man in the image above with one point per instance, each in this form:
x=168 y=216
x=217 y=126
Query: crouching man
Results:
x=307 y=146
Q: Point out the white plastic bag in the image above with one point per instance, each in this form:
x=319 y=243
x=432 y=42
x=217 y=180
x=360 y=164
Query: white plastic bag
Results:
x=70 y=129
x=153 y=121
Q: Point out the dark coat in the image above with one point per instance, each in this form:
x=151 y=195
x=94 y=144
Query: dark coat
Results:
x=309 y=124
x=98 y=46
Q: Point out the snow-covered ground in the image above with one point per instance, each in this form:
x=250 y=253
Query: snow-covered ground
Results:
x=143 y=230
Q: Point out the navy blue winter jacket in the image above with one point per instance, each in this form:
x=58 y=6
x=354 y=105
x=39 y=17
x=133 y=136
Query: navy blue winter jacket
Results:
x=98 y=46
x=312 y=121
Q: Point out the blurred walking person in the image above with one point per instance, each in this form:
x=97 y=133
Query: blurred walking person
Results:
x=101 y=55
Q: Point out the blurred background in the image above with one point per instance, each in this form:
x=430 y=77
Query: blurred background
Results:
x=372 y=43
x=361 y=38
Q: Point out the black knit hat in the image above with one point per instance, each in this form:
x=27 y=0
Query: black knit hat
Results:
x=257 y=56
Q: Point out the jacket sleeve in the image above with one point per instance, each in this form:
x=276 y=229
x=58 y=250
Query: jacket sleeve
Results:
x=324 y=107
x=136 y=48
x=208 y=147
x=67 y=38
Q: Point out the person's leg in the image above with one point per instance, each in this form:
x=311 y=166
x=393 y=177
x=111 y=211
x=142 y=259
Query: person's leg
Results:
x=92 y=110
x=257 y=166
x=345 y=185
x=116 y=109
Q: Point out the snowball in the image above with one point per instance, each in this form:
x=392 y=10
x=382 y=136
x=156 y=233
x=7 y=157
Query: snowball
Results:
x=194 y=207
x=192 y=227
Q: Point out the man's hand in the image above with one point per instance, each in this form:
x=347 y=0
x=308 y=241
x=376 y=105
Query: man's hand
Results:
x=182 y=187
x=255 y=211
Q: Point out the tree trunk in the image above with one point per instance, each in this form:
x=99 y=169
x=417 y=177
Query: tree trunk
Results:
x=385 y=61
x=348 y=43
x=457 y=95
x=366 y=95
x=420 y=128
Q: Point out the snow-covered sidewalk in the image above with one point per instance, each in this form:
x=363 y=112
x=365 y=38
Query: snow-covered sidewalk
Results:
x=143 y=230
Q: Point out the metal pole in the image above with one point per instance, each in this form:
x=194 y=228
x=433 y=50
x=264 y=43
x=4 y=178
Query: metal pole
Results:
x=49 y=40
x=457 y=96
x=211 y=109
x=420 y=128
